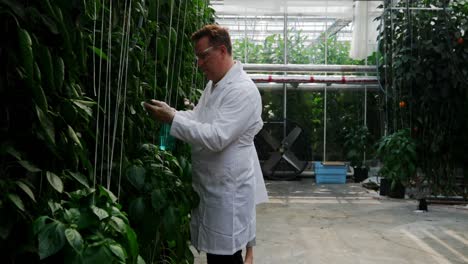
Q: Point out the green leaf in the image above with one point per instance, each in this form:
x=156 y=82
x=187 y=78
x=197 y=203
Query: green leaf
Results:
x=118 y=251
x=27 y=165
x=47 y=125
x=118 y=224
x=54 y=206
x=136 y=176
x=73 y=136
x=16 y=200
x=55 y=181
x=132 y=241
x=12 y=151
x=97 y=254
x=157 y=199
x=98 y=52
x=26 y=52
x=106 y=193
x=140 y=260
x=26 y=189
x=59 y=73
x=39 y=97
x=72 y=215
x=63 y=29
x=49 y=24
x=51 y=239
x=16 y=7
x=45 y=61
x=169 y=219
x=99 y=212
x=78 y=194
x=74 y=239
x=85 y=106
x=38 y=78
x=137 y=209
x=39 y=224
x=79 y=177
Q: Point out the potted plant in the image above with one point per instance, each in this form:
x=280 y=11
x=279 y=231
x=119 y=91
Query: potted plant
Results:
x=397 y=152
x=355 y=145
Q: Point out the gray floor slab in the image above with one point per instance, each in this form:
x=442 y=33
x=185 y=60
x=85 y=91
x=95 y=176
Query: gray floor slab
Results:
x=308 y=223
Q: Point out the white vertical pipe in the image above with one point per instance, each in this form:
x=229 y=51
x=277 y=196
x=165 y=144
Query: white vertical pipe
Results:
x=285 y=90
x=365 y=115
x=324 y=124
x=325 y=90
x=365 y=86
x=326 y=33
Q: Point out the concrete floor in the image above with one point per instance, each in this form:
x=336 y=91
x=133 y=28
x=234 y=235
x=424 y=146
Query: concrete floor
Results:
x=345 y=223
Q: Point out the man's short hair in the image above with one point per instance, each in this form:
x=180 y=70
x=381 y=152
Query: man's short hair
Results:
x=216 y=34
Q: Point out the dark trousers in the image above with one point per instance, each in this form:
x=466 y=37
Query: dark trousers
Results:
x=225 y=259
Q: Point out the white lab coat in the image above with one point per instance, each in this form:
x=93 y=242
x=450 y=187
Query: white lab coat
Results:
x=225 y=167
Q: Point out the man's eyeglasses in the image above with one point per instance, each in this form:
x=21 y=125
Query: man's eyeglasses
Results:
x=204 y=54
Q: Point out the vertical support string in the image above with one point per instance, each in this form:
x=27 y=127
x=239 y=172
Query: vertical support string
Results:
x=122 y=60
x=125 y=96
x=108 y=89
x=182 y=53
x=169 y=50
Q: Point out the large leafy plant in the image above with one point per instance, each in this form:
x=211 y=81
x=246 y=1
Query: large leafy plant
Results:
x=87 y=226
x=423 y=68
x=160 y=197
x=356 y=142
x=398 y=154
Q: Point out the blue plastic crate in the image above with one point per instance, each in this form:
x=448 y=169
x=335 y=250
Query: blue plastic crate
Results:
x=335 y=173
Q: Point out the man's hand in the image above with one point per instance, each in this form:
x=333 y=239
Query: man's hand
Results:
x=160 y=111
x=188 y=105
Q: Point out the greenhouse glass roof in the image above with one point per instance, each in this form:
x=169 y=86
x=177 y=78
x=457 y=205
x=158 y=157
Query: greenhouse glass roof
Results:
x=314 y=19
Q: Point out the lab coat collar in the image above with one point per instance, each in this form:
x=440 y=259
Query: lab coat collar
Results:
x=231 y=75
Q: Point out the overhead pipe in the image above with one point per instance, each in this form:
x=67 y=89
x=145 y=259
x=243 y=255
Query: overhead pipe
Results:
x=307 y=68
x=276 y=87
x=264 y=78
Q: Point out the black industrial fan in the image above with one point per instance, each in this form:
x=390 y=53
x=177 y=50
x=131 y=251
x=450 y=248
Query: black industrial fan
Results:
x=283 y=158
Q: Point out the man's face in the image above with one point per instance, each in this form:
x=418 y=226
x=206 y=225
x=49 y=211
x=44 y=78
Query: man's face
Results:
x=208 y=58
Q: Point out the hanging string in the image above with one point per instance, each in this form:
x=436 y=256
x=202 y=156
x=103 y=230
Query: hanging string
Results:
x=174 y=57
x=156 y=50
x=125 y=97
x=108 y=90
x=122 y=60
x=199 y=8
x=94 y=87
x=182 y=53
x=94 y=45
x=169 y=50
x=203 y=21
x=193 y=80
x=156 y=58
x=99 y=102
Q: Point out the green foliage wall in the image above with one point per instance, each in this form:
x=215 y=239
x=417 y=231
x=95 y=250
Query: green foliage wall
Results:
x=72 y=128
x=425 y=73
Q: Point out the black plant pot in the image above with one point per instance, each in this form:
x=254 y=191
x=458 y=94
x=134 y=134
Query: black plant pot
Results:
x=384 y=186
x=398 y=191
x=360 y=174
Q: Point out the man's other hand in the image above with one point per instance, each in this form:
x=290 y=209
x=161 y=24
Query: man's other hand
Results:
x=160 y=111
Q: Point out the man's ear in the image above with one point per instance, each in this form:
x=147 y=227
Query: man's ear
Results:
x=223 y=49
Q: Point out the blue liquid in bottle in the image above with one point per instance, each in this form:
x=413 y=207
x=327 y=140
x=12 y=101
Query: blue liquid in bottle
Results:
x=166 y=141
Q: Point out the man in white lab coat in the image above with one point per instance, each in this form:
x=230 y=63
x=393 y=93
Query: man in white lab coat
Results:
x=221 y=129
